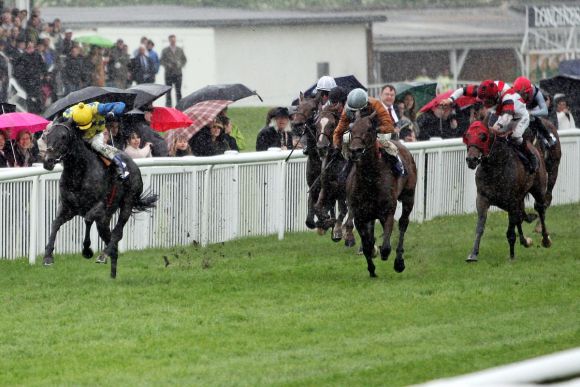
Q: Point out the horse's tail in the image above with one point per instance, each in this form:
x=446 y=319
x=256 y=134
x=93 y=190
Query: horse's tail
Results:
x=145 y=202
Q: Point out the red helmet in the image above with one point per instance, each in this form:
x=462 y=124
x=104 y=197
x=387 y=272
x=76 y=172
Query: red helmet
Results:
x=487 y=91
x=523 y=87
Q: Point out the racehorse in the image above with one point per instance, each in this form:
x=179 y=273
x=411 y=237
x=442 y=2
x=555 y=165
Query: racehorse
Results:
x=89 y=189
x=503 y=180
x=373 y=191
x=303 y=125
x=332 y=191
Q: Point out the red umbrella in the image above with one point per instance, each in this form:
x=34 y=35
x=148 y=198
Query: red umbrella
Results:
x=22 y=121
x=462 y=101
x=166 y=118
x=201 y=114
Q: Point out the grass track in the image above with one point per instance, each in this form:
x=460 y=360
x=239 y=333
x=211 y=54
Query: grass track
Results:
x=296 y=312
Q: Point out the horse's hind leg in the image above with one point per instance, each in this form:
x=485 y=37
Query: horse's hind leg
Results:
x=105 y=235
x=408 y=204
x=540 y=206
x=524 y=241
x=482 y=205
x=514 y=219
x=117 y=234
x=337 y=229
x=349 y=240
x=63 y=215
x=87 y=251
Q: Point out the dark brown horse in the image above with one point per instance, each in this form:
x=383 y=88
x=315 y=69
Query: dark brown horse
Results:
x=303 y=124
x=503 y=180
x=332 y=191
x=373 y=191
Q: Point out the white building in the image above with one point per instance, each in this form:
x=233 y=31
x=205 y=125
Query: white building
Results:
x=277 y=53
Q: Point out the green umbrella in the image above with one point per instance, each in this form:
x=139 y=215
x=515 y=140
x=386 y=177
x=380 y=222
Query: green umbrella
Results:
x=422 y=91
x=95 y=40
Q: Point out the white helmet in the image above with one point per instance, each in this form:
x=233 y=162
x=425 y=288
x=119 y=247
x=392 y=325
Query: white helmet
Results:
x=357 y=99
x=326 y=83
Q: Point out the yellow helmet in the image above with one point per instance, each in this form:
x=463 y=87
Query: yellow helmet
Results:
x=82 y=115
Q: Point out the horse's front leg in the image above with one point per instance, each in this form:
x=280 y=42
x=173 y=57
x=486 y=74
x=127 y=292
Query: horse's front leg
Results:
x=366 y=231
x=94 y=213
x=482 y=205
x=408 y=203
x=63 y=215
x=337 y=229
x=349 y=239
x=387 y=222
x=311 y=211
x=322 y=210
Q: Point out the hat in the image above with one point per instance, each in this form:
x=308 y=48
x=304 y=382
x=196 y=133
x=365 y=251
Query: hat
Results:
x=68 y=31
x=281 y=112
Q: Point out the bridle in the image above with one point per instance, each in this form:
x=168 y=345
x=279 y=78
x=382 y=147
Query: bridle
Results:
x=51 y=149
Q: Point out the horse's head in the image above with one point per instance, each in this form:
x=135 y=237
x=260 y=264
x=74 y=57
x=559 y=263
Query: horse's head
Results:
x=478 y=140
x=303 y=119
x=363 y=136
x=58 y=142
x=325 y=126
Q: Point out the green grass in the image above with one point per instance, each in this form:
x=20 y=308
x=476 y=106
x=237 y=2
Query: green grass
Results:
x=249 y=120
x=302 y=311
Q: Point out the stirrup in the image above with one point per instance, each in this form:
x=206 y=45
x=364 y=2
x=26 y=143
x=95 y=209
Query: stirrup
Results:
x=121 y=167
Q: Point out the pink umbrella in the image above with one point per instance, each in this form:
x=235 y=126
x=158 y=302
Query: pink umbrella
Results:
x=22 y=121
x=202 y=113
x=462 y=101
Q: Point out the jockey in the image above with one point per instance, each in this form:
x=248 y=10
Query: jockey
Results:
x=323 y=87
x=337 y=99
x=90 y=119
x=536 y=104
x=358 y=100
x=510 y=109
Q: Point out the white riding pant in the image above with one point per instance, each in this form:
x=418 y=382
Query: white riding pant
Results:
x=98 y=144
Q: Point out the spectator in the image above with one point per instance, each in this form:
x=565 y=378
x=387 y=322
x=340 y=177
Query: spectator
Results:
x=25 y=151
x=118 y=66
x=209 y=141
x=33 y=29
x=133 y=147
x=407 y=134
x=153 y=55
x=115 y=134
x=98 y=73
x=6 y=156
x=140 y=123
x=72 y=72
x=232 y=143
x=565 y=118
x=7 y=20
x=65 y=46
x=142 y=42
x=423 y=77
x=173 y=59
x=56 y=33
x=180 y=147
x=29 y=70
x=142 y=67
x=4 y=73
x=552 y=115
x=276 y=134
x=444 y=82
x=437 y=122
x=388 y=94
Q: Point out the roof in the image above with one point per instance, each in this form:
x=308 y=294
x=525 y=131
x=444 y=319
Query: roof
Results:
x=180 y=16
x=441 y=29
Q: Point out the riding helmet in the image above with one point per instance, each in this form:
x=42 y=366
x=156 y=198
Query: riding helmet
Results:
x=82 y=115
x=357 y=99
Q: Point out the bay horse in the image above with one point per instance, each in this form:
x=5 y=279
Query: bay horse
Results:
x=332 y=190
x=373 y=191
x=303 y=126
x=503 y=180
x=89 y=189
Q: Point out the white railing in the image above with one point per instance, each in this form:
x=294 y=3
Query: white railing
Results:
x=214 y=199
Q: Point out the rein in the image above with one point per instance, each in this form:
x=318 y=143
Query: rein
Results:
x=68 y=148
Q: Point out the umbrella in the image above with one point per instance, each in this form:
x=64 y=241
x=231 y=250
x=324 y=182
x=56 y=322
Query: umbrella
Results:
x=201 y=114
x=6 y=107
x=462 y=101
x=95 y=40
x=20 y=121
x=349 y=82
x=165 y=118
x=423 y=92
x=568 y=85
x=147 y=93
x=227 y=92
x=91 y=94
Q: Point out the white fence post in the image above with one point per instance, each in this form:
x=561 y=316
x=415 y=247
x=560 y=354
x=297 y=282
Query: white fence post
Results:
x=206 y=205
x=34 y=226
x=282 y=165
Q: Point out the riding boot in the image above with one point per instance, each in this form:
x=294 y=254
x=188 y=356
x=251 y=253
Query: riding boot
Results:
x=397 y=165
x=544 y=133
x=121 y=167
x=343 y=175
x=526 y=148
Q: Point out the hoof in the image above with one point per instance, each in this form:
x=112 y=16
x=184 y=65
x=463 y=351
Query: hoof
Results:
x=399 y=265
x=547 y=242
x=102 y=258
x=385 y=253
x=310 y=224
x=48 y=260
x=88 y=253
x=335 y=238
x=527 y=242
x=349 y=242
x=373 y=275
x=471 y=258
x=320 y=231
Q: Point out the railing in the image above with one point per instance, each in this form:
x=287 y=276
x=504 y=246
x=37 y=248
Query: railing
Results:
x=214 y=199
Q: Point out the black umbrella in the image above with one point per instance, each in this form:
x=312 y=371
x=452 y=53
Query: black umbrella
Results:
x=349 y=82
x=227 y=92
x=564 y=84
x=90 y=94
x=147 y=93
